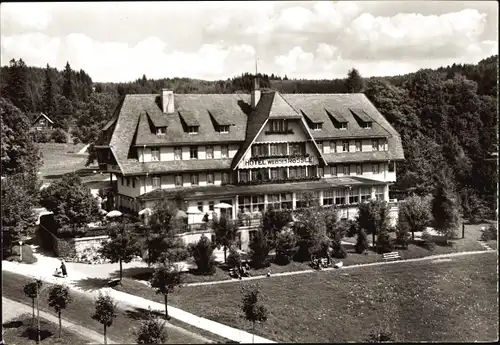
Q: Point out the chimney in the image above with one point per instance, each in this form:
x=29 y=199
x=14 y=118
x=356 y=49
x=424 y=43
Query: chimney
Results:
x=255 y=95
x=167 y=101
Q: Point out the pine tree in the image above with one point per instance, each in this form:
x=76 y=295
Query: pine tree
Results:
x=445 y=208
x=354 y=82
x=68 y=84
x=49 y=101
x=17 y=87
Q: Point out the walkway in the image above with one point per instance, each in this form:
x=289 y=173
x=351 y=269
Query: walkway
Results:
x=378 y=263
x=12 y=309
x=44 y=268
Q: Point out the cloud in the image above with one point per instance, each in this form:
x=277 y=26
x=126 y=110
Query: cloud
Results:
x=214 y=40
x=27 y=15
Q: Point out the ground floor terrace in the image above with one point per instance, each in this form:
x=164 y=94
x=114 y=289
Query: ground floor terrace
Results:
x=247 y=202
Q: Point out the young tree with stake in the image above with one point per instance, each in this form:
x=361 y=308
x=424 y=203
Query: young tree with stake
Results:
x=59 y=298
x=253 y=310
x=121 y=246
x=31 y=291
x=166 y=277
x=105 y=312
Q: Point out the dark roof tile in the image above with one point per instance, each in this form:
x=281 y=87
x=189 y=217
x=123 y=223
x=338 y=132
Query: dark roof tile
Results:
x=176 y=166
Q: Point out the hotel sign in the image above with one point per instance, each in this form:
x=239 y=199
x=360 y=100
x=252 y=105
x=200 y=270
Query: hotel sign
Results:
x=271 y=162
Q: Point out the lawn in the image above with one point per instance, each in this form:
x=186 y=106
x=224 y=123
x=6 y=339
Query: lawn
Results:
x=79 y=312
x=445 y=300
x=60 y=159
x=19 y=332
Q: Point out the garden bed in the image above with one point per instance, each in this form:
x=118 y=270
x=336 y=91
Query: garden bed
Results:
x=417 y=301
x=19 y=332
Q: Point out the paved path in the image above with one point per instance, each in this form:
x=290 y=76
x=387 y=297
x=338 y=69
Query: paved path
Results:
x=12 y=309
x=378 y=263
x=44 y=267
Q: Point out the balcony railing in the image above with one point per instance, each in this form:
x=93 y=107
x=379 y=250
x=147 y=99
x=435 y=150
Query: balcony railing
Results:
x=284 y=131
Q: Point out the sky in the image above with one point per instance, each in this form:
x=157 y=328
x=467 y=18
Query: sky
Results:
x=119 y=42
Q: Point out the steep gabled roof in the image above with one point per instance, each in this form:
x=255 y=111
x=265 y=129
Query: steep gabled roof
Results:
x=281 y=109
x=189 y=117
x=45 y=116
x=363 y=116
x=221 y=117
x=336 y=115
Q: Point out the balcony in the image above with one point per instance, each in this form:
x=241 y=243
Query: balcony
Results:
x=284 y=131
x=284 y=180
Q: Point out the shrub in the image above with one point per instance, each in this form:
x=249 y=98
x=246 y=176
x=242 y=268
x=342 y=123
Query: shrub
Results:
x=488 y=234
x=234 y=258
x=384 y=243
x=339 y=251
x=41 y=136
x=59 y=136
x=152 y=330
x=428 y=241
x=402 y=237
x=259 y=248
x=203 y=255
x=28 y=257
x=286 y=247
x=361 y=242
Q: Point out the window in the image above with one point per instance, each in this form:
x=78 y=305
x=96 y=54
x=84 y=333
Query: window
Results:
x=334 y=170
x=278 y=126
x=273 y=200
x=339 y=196
x=194 y=179
x=210 y=178
x=343 y=126
x=156 y=182
x=286 y=201
x=133 y=182
x=200 y=206
x=375 y=169
x=122 y=180
x=354 y=196
x=359 y=169
x=161 y=130
x=155 y=154
x=210 y=205
x=274 y=174
x=193 y=152
x=303 y=202
x=128 y=181
x=392 y=166
x=177 y=153
x=178 y=180
x=258 y=203
x=193 y=129
x=333 y=147
x=260 y=150
x=224 y=151
x=367 y=125
x=317 y=126
x=366 y=193
x=278 y=149
x=374 y=144
x=245 y=204
x=345 y=169
x=381 y=145
x=42 y=121
x=209 y=152
x=243 y=175
x=224 y=129
x=320 y=146
x=321 y=173
x=298 y=149
x=345 y=146
x=225 y=178
x=358 y=145
x=328 y=197
x=379 y=193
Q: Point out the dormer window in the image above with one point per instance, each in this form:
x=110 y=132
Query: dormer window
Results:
x=367 y=125
x=223 y=129
x=193 y=129
x=343 y=126
x=279 y=126
x=161 y=130
x=317 y=126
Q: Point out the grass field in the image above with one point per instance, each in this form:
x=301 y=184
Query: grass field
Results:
x=79 y=312
x=19 y=332
x=446 y=300
x=59 y=159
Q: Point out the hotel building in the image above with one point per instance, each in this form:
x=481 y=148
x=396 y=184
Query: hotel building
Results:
x=249 y=151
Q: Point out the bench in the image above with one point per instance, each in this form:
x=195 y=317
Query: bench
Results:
x=391 y=256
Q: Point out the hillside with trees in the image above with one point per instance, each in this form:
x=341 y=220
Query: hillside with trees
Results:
x=447 y=118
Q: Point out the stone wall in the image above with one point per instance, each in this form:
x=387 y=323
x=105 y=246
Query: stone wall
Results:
x=86 y=249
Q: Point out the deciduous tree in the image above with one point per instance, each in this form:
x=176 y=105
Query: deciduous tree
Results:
x=225 y=232
x=59 y=299
x=414 y=214
x=203 y=255
x=31 y=290
x=259 y=249
x=373 y=217
x=253 y=309
x=445 y=208
x=354 y=82
x=105 y=312
x=166 y=277
x=122 y=245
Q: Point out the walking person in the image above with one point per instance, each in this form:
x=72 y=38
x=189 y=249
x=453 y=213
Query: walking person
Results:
x=63 y=269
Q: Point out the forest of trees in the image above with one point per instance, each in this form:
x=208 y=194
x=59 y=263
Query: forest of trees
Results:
x=447 y=118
